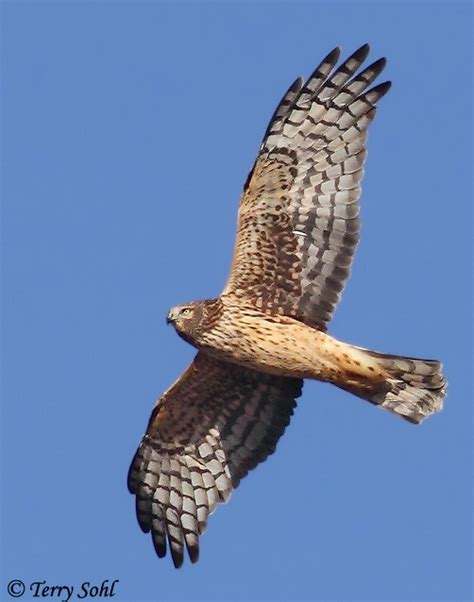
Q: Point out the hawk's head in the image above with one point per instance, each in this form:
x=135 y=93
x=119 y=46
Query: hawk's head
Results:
x=190 y=319
x=184 y=315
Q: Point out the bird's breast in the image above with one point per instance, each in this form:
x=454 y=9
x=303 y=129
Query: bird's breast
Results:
x=273 y=344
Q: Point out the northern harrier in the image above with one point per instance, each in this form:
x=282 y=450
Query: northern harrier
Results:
x=298 y=227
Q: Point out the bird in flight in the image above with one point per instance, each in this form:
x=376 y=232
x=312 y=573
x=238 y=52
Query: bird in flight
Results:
x=298 y=227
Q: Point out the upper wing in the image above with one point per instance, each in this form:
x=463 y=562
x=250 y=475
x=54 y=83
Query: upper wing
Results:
x=217 y=422
x=299 y=212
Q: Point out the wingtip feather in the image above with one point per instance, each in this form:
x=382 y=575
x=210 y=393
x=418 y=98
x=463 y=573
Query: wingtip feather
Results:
x=361 y=53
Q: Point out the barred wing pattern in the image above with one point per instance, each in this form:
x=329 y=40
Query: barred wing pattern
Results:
x=299 y=212
x=217 y=422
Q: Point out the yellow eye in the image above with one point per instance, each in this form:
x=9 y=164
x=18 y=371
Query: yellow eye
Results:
x=186 y=312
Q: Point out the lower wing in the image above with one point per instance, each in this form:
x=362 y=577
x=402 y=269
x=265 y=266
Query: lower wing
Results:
x=217 y=422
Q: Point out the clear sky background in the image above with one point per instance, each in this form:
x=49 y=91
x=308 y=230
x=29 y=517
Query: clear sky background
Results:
x=128 y=131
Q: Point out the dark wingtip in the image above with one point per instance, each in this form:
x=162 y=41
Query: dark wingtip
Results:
x=143 y=527
x=385 y=87
x=381 y=89
x=160 y=546
x=177 y=556
x=361 y=53
x=297 y=84
x=378 y=65
x=333 y=56
x=193 y=552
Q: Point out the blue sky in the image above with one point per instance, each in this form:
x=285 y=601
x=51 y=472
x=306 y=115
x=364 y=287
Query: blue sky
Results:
x=128 y=131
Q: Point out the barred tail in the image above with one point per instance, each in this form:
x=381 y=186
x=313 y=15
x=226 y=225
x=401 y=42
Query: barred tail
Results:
x=413 y=388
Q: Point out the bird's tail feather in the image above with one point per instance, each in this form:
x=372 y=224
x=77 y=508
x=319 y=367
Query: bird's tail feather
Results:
x=412 y=388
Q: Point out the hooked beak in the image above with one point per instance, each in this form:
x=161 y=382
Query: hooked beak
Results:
x=171 y=317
